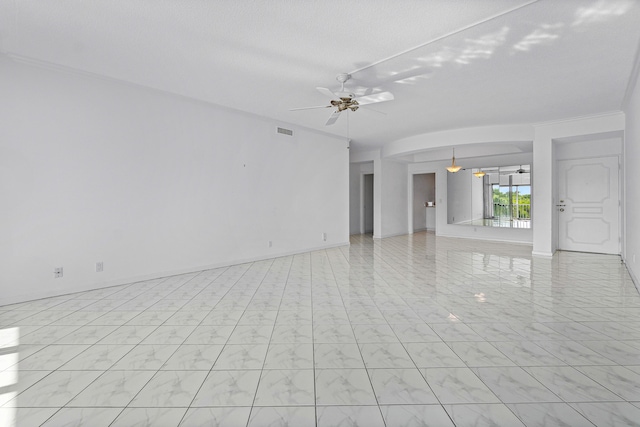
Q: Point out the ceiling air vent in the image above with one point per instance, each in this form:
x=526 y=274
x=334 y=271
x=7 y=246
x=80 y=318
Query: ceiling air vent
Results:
x=285 y=131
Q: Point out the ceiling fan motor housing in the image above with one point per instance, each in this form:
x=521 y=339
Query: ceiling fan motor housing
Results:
x=347 y=100
x=343 y=77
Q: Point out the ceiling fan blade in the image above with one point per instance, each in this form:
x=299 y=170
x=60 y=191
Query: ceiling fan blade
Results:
x=332 y=119
x=327 y=92
x=376 y=97
x=310 y=108
x=368 y=108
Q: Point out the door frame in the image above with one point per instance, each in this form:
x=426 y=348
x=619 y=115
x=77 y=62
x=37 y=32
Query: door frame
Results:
x=362 y=219
x=556 y=184
x=418 y=171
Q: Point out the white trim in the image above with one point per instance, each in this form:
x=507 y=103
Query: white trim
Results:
x=634 y=279
x=410 y=176
x=421 y=170
x=361 y=214
x=363 y=156
x=578 y=118
x=402 y=233
x=488 y=239
x=542 y=254
x=621 y=201
x=50 y=66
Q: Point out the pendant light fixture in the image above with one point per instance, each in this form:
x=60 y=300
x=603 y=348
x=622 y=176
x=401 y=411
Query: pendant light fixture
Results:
x=453 y=168
x=480 y=173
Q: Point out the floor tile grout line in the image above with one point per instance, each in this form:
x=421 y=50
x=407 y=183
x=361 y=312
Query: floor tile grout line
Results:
x=156 y=372
x=435 y=395
x=313 y=344
x=359 y=348
x=448 y=293
x=600 y=383
x=81 y=309
x=249 y=265
x=516 y=365
x=265 y=355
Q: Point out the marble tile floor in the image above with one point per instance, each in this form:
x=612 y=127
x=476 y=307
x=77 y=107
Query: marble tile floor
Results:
x=406 y=331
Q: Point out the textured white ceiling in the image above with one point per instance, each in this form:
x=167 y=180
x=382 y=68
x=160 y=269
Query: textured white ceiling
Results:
x=501 y=62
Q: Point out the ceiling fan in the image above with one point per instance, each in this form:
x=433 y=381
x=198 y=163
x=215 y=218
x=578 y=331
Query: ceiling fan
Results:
x=344 y=100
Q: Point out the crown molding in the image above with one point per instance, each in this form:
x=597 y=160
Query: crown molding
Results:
x=578 y=118
x=65 y=70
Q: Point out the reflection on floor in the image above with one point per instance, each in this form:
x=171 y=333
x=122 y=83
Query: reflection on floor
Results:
x=499 y=222
x=409 y=330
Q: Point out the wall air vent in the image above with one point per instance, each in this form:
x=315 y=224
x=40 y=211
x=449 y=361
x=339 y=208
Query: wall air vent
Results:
x=285 y=131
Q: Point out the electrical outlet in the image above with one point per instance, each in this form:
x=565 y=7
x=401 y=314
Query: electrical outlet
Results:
x=57 y=272
x=99 y=266
x=270 y=243
x=324 y=237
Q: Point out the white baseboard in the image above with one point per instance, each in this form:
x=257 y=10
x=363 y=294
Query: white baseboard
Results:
x=542 y=254
x=634 y=278
x=159 y=275
x=488 y=239
x=384 y=236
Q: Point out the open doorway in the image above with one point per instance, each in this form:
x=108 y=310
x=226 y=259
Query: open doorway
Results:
x=424 y=205
x=367 y=203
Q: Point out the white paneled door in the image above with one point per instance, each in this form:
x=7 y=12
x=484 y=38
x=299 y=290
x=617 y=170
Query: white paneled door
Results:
x=588 y=205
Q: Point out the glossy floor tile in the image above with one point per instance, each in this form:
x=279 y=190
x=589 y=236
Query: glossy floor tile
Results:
x=406 y=331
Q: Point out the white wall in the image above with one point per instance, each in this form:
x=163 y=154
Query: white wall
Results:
x=356 y=186
x=598 y=147
x=543 y=235
x=459 y=196
x=466 y=199
x=394 y=198
x=457 y=137
x=545 y=239
x=367 y=203
x=420 y=196
x=477 y=197
x=151 y=184
x=544 y=232
x=422 y=189
x=631 y=251
x=443 y=228
x=473 y=139
x=355 y=195
x=431 y=187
